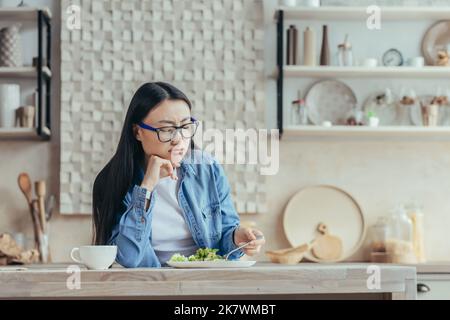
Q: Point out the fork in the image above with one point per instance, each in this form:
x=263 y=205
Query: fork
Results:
x=258 y=237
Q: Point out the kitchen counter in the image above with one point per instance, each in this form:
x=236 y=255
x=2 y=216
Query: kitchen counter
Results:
x=434 y=267
x=264 y=280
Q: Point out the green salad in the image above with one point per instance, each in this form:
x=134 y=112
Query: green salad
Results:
x=202 y=254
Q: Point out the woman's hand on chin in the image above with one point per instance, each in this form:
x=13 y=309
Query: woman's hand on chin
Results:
x=157 y=168
x=243 y=235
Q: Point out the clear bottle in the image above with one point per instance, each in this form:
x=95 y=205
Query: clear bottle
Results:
x=295 y=112
x=303 y=113
x=399 y=244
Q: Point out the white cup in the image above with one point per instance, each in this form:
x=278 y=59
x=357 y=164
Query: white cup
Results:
x=289 y=3
x=370 y=62
x=416 y=62
x=312 y=3
x=95 y=257
x=374 y=121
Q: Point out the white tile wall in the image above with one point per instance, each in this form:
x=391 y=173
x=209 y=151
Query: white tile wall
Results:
x=210 y=49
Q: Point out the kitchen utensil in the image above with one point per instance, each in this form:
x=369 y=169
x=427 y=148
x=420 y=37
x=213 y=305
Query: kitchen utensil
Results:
x=25 y=186
x=437 y=38
x=337 y=208
x=258 y=237
x=42 y=239
x=40 y=190
x=49 y=205
x=327 y=247
x=329 y=100
x=290 y=255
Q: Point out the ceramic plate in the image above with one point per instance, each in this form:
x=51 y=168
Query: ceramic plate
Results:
x=212 y=264
x=436 y=38
x=386 y=112
x=327 y=204
x=330 y=100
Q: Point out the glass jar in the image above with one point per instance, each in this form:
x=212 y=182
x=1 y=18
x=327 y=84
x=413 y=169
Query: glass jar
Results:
x=379 y=233
x=399 y=243
x=345 y=55
x=415 y=213
x=299 y=114
x=378 y=237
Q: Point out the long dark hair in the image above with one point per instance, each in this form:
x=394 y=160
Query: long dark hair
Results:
x=115 y=179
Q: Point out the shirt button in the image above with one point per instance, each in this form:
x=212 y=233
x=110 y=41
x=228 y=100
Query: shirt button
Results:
x=142 y=219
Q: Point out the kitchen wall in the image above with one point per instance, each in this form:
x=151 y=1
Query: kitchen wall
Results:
x=379 y=173
x=212 y=50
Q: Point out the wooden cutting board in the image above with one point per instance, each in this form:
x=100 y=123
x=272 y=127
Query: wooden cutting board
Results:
x=327 y=247
x=328 y=204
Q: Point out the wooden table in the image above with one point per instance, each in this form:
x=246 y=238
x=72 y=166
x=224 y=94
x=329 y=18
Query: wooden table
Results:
x=262 y=281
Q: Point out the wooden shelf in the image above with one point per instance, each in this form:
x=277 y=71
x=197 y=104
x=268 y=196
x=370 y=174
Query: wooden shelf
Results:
x=361 y=131
x=22 y=72
x=365 y=72
x=22 y=13
x=359 y=13
x=23 y=134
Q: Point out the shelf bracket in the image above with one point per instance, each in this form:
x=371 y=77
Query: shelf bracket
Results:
x=280 y=31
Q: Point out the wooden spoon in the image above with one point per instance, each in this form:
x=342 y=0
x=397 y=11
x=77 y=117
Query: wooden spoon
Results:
x=327 y=247
x=25 y=186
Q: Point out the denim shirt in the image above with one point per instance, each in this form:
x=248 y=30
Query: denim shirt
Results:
x=204 y=196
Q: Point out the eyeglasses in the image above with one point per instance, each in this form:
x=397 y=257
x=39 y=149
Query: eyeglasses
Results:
x=166 y=134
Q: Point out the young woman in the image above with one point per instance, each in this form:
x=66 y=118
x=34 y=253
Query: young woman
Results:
x=158 y=195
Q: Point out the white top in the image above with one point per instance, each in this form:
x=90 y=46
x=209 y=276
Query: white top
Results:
x=170 y=232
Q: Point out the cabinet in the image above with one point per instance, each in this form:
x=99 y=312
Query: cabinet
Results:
x=41 y=72
x=433 y=286
x=354 y=14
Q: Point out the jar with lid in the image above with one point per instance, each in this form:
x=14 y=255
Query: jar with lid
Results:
x=345 y=54
x=416 y=215
x=399 y=243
